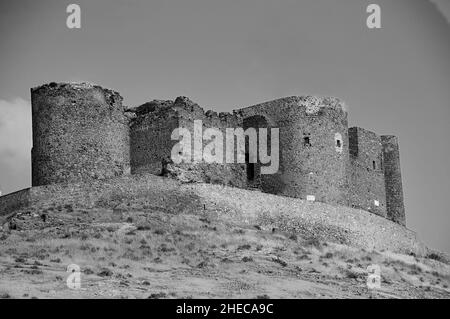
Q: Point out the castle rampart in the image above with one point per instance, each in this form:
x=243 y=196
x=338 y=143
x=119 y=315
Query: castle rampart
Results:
x=81 y=133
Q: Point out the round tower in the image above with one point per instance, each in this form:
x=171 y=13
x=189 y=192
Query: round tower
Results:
x=80 y=133
x=313 y=146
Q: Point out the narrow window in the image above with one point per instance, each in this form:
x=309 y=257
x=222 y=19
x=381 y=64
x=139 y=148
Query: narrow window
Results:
x=250 y=168
x=306 y=141
x=251 y=171
x=374 y=164
x=338 y=142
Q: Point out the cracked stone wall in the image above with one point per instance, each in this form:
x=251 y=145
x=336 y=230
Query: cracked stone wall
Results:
x=80 y=132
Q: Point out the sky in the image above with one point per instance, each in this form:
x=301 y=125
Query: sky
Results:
x=230 y=54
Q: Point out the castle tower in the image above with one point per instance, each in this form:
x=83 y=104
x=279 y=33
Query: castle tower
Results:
x=313 y=146
x=366 y=175
x=393 y=180
x=80 y=132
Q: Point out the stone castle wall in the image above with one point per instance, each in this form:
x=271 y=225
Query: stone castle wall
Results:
x=81 y=132
x=150 y=135
x=152 y=144
x=393 y=180
x=313 y=147
x=14 y=201
x=225 y=173
x=367 y=186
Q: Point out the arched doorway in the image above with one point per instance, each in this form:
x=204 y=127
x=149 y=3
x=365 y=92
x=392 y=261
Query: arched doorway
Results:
x=253 y=168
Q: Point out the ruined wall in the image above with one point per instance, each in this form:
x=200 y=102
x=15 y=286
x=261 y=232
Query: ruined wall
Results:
x=367 y=187
x=150 y=133
x=79 y=132
x=232 y=174
x=151 y=143
x=313 y=164
x=14 y=201
x=393 y=180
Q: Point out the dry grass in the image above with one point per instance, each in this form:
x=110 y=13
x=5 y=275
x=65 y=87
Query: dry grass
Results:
x=149 y=254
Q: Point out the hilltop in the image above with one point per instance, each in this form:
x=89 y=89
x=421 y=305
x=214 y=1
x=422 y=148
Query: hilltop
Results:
x=133 y=247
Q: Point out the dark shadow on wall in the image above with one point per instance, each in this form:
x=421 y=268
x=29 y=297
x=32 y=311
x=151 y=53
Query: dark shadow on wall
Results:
x=270 y=183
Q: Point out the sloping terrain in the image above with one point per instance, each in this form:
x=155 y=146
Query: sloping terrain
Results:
x=133 y=251
x=311 y=220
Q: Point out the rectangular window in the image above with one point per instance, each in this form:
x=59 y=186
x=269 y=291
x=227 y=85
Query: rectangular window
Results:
x=306 y=141
x=250 y=168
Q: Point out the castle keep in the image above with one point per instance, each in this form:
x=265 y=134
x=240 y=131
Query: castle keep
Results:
x=82 y=132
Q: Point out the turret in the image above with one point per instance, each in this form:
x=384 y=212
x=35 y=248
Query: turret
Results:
x=80 y=132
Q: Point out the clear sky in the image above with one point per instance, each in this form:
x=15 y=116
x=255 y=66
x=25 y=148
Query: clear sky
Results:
x=236 y=53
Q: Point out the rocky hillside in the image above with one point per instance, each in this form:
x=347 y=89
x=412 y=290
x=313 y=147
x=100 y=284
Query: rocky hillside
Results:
x=134 y=251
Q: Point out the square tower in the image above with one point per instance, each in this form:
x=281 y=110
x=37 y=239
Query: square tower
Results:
x=366 y=176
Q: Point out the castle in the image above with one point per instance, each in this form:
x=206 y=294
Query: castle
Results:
x=82 y=132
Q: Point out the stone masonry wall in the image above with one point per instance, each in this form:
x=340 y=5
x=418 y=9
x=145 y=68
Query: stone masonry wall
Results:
x=14 y=201
x=367 y=189
x=151 y=143
x=311 y=163
x=150 y=133
x=393 y=179
x=79 y=132
x=232 y=174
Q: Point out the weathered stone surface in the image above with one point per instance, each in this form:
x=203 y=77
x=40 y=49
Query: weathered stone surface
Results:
x=320 y=157
x=367 y=185
x=151 y=142
x=393 y=179
x=79 y=132
x=309 y=162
